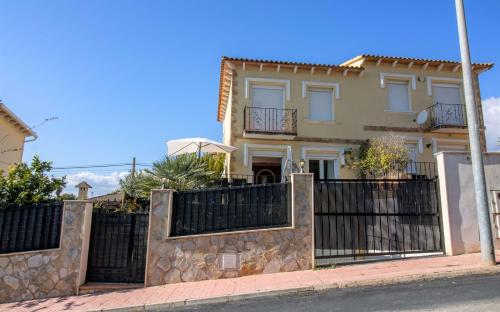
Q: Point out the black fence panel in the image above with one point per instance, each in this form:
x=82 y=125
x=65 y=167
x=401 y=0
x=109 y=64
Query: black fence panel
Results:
x=230 y=209
x=118 y=245
x=32 y=227
x=376 y=217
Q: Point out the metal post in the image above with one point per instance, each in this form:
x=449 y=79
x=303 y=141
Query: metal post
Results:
x=133 y=167
x=486 y=239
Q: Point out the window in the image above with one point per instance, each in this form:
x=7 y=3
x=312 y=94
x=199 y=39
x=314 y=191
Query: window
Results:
x=321 y=105
x=322 y=168
x=412 y=151
x=446 y=94
x=398 y=95
x=268 y=97
x=266 y=113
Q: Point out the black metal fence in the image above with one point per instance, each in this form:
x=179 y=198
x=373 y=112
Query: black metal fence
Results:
x=226 y=180
x=447 y=115
x=270 y=120
x=33 y=227
x=411 y=171
x=230 y=209
x=359 y=218
x=118 y=245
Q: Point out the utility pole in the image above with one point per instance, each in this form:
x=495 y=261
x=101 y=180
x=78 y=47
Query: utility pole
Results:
x=483 y=214
x=133 y=167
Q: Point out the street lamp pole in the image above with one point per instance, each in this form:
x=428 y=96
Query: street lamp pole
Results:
x=486 y=239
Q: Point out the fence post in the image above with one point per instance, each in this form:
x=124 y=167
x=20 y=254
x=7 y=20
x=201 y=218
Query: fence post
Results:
x=160 y=214
x=303 y=205
x=85 y=237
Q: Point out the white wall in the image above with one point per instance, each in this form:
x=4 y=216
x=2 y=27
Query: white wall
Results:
x=460 y=227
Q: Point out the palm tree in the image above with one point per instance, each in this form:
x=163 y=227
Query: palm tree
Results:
x=183 y=172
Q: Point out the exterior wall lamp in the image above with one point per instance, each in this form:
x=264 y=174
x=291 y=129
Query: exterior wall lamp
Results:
x=302 y=163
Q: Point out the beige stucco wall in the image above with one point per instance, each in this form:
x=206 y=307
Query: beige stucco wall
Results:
x=198 y=257
x=10 y=139
x=460 y=225
x=52 y=272
x=362 y=102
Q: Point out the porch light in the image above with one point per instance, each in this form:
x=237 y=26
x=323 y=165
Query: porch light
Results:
x=302 y=163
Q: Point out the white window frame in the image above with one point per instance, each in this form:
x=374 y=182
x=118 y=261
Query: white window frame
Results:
x=263 y=82
x=419 y=141
x=325 y=153
x=319 y=84
x=412 y=79
x=321 y=159
x=410 y=106
x=266 y=147
x=434 y=80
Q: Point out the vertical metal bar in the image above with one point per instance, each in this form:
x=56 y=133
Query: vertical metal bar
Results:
x=131 y=263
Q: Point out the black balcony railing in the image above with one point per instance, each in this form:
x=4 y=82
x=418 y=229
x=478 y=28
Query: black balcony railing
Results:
x=270 y=120
x=444 y=115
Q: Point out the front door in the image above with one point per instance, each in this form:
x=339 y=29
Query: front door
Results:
x=266 y=169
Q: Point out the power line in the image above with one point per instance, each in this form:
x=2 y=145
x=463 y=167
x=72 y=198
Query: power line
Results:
x=101 y=166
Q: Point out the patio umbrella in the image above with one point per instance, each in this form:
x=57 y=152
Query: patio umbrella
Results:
x=196 y=145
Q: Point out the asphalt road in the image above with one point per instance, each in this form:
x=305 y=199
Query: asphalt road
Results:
x=477 y=293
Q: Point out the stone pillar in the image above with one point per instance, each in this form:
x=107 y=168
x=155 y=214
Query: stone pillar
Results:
x=160 y=213
x=303 y=206
x=51 y=272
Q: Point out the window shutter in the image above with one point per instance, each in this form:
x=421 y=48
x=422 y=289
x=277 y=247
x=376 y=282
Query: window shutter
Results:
x=320 y=105
x=447 y=95
x=268 y=97
x=398 y=97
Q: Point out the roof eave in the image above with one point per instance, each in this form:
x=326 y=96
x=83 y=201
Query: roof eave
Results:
x=25 y=128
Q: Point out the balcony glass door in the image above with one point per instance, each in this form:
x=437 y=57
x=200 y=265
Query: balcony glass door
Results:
x=266 y=113
x=449 y=109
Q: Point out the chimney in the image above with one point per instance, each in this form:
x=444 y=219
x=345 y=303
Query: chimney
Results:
x=83 y=190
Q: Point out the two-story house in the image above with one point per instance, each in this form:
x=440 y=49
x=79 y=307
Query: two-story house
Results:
x=13 y=134
x=278 y=113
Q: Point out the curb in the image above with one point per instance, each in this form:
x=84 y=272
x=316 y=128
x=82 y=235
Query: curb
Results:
x=315 y=289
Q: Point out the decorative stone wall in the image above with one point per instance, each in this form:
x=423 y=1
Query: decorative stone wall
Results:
x=198 y=257
x=51 y=272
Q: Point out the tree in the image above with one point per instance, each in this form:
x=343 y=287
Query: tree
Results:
x=29 y=184
x=181 y=172
x=383 y=156
x=66 y=196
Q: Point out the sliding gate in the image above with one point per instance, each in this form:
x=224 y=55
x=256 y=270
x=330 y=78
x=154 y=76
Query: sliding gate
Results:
x=355 y=219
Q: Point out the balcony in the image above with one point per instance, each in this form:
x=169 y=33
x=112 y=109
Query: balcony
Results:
x=447 y=117
x=270 y=121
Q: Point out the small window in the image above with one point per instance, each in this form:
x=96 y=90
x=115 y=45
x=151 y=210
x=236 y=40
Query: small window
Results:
x=321 y=105
x=399 y=98
x=322 y=168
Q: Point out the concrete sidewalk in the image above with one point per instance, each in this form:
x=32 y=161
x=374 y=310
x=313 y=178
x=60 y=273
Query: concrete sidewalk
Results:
x=175 y=295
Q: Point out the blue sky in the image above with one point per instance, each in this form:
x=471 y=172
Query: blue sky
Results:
x=125 y=76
